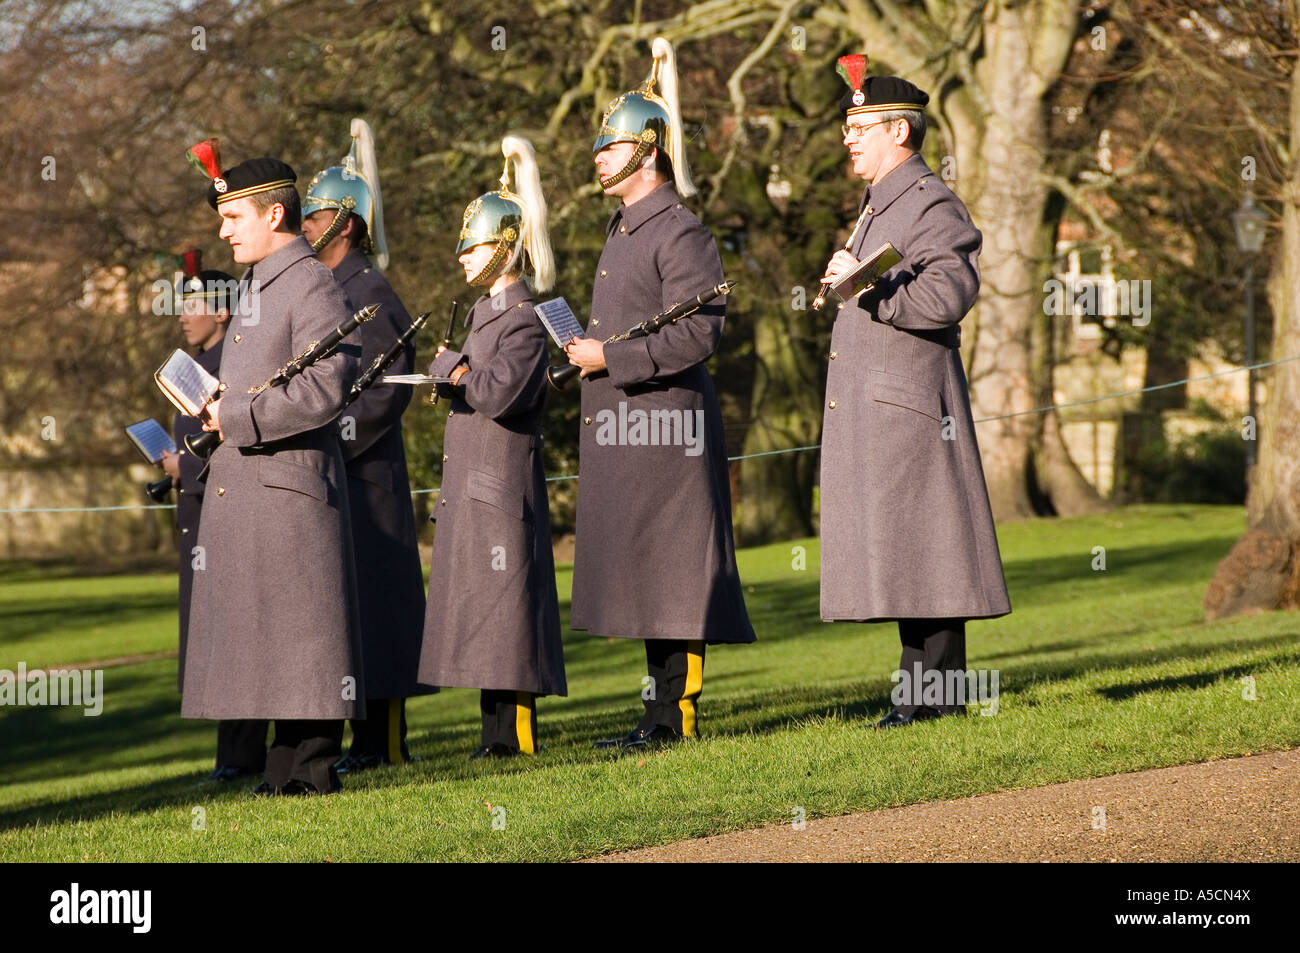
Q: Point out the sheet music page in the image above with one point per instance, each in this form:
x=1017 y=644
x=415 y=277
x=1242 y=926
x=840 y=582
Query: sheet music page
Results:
x=185 y=383
x=868 y=270
x=151 y=439
x=560 y=321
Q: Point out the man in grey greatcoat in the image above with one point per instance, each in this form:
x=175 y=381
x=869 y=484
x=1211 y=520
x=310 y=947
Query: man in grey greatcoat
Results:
x=655 y=557
x=906 y=529
x=207 y=301
x=273 y=623
x=343 y=219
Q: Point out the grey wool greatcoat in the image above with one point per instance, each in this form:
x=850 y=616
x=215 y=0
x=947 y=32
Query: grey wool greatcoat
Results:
x=906 y=528
x=493 y=619
x=273 y=622
x=655 y=557
x=389 y=581
x=189 y=499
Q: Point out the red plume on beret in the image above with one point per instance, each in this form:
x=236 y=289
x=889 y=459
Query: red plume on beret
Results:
x=206 y=157
x=852 y=69
x=192 y=262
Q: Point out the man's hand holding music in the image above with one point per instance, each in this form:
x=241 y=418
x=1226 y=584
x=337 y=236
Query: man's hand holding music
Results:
x=212 y=417
x=586 y=353
x=171 y=464
x=841 y=264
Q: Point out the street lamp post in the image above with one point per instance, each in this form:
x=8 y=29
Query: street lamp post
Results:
x=1249 y=222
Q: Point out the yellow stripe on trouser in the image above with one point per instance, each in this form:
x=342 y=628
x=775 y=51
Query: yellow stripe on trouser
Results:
x=524 y=722
x=395 y=731
x=694 y=685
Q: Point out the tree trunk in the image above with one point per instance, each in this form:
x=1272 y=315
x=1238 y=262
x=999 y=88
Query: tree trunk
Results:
x=1262 y=571
x=1008 y=353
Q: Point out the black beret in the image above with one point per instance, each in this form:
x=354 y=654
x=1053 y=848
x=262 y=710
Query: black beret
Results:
x=248 y=178
x=216 y=286
x=883 y=94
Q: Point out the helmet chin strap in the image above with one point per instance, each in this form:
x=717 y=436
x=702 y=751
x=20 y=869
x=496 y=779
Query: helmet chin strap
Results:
x=339 y=222
x=489 y=272
x=633 y=163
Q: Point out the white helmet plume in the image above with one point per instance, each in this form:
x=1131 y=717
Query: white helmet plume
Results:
x=662 y=52
x=528 y=186
x=363 y=146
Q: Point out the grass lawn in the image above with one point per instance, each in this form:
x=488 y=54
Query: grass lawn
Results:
x=1100 y=672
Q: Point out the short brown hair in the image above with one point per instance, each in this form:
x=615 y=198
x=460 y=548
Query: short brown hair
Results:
x=287 y=196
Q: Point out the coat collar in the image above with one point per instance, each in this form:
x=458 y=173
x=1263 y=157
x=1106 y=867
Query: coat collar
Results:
x=276 y=263
x=899 y=180
x=637 y=214
x=353 y=264
x=487 y=309
x=210 y=359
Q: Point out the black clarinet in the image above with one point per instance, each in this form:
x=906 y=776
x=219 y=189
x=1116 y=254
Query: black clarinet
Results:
x=202 y=444
x=385 y=360
x=446 y=342
x=560 y=375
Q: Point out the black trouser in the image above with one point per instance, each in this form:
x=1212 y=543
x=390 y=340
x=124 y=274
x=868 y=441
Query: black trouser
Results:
x=509 y=718
x=241 y=743
x=305 y=751
x=382 y=732
x=934 y=645
x=671 y=696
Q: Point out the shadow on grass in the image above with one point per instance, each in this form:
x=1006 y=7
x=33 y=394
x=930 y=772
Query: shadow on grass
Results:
x=1185 y=682
x=1030 y=580
x=142 y=726
x=39 y=619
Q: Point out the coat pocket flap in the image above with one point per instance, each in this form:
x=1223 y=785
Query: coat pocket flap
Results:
x=293 y=476
x=488 y=489
x=922 y=403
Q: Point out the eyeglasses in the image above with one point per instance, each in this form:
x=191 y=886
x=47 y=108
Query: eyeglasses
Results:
x=856 y=129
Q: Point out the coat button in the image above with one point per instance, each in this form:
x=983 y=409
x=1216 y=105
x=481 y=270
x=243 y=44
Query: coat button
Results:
x=834 y=354
x=622 y=228
x=442 y=502
x=185 y=531
x=221 y=491
x=832 y=405
x=595 y=322
x=444 y=458
x=451 y=413
x=519 y=305
x=587 y=421
x=840 y=306
x=238 y=338
x=603 y=273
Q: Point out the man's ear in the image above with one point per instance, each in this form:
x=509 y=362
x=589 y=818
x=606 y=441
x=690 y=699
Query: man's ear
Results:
x=275 y=216
x=223 y=316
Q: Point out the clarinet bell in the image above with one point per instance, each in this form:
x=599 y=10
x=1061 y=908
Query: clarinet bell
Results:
x=560 y=375
x=158 y=489
x=202 y=444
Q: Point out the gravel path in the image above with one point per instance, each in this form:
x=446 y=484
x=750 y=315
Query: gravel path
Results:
x=1242 y=809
